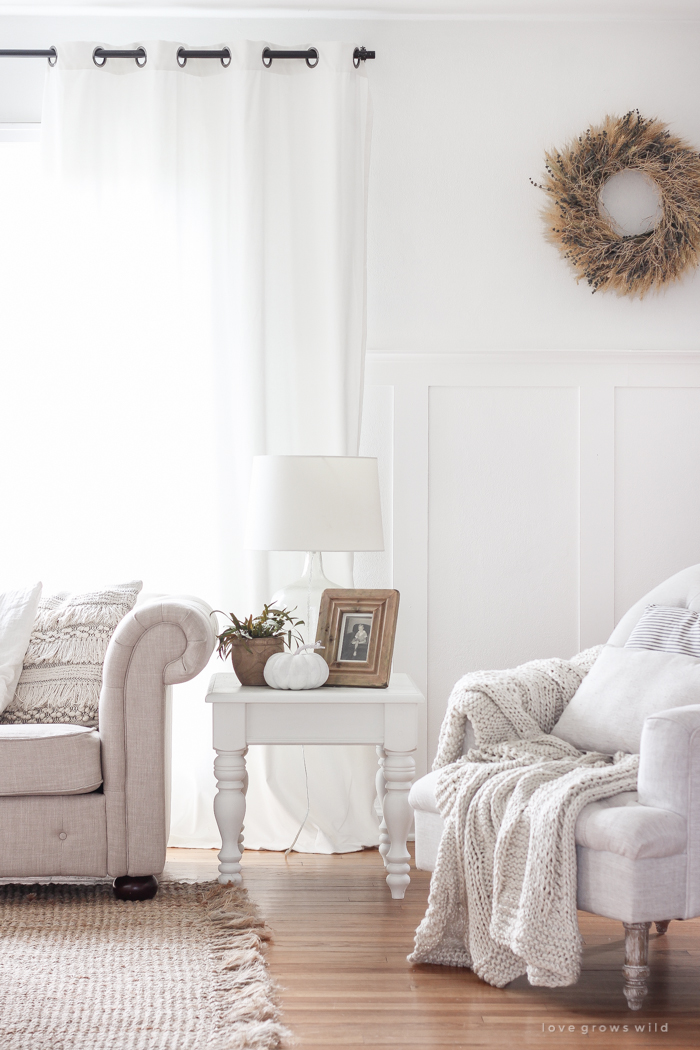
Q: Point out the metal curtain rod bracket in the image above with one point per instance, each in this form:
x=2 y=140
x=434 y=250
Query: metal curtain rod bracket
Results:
x=138 y=53
x=49 y=53
x=361 y=54
x=184 y=53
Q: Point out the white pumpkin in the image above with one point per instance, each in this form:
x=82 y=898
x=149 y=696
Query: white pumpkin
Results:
x=298 y=670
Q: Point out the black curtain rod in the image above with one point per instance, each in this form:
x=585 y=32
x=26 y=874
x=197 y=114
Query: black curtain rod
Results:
x=101 y=54
x=50 y=53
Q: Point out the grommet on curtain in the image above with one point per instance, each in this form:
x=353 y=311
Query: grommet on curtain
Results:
x=311 y=56
x=139 y=56
x=184 y=53
x=55 y=56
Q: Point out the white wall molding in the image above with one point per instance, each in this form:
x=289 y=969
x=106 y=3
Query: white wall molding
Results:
x=410 y=541
x=20 y=132
x=535 y=367
x=596 y=514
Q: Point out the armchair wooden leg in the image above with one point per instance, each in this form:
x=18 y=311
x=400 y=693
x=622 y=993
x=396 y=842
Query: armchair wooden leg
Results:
x=662 y=926
x=135 y=887
x=635 y=970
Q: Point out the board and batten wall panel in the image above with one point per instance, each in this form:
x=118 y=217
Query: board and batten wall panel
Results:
x=374 y=568
x=536 y=496
x=657 y=487
x=503 y=531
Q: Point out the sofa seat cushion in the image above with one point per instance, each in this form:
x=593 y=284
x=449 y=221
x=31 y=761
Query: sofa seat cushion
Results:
x=49 y=759
x=618 y=825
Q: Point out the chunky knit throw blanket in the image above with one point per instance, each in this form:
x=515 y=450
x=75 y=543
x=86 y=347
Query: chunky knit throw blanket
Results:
x=503 y=893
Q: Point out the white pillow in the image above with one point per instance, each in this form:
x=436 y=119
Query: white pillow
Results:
x=625 y=685
x=17 y=613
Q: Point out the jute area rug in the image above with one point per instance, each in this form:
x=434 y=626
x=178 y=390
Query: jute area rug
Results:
x=80 y=970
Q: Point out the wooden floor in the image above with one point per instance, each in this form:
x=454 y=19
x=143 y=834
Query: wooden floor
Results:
x=339 y=957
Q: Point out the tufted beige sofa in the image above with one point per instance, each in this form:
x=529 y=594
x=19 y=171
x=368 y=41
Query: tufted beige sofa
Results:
x=94 y=803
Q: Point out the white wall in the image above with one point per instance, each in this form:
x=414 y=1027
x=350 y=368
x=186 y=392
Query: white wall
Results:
x=534 y=497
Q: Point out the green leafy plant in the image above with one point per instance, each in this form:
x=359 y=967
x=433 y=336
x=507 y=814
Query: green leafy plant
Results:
x=267 y=624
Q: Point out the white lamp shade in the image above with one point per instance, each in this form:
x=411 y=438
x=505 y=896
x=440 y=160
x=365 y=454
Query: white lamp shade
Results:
x=314 y=503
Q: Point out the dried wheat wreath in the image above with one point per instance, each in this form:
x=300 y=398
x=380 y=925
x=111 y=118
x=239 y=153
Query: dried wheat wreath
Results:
x=628 y=265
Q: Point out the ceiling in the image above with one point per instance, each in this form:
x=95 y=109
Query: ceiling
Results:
x=424 y=9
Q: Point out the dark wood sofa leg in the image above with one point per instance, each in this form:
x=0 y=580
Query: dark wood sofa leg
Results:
x=635 y=970
x=662 y=926
x=135 y=887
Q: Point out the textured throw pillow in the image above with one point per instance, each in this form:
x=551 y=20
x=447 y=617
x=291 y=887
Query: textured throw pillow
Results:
x=624 y=686
x=62 y=673
x=668 y=629
x=17 y=614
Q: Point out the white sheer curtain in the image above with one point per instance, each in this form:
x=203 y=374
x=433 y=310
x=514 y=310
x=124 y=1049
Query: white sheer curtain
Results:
x=200 y=277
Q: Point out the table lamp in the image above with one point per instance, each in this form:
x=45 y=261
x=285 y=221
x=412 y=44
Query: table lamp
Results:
x=313 y=504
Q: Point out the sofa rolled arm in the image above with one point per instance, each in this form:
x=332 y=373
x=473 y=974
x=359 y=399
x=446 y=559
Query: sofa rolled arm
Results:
x=669 y=759
x=669 y=778
x=162 y=642
x=192 y=615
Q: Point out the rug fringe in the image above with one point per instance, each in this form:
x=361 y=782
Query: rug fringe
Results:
x=249 y=1017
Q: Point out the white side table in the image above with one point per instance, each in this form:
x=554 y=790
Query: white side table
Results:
x=246 y=715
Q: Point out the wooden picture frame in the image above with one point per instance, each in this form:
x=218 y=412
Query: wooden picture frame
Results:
x=356 y=629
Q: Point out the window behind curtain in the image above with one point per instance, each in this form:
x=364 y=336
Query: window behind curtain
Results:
x=107 y=465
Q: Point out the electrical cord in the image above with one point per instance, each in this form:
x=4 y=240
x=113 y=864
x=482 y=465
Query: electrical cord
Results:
x=308 y=805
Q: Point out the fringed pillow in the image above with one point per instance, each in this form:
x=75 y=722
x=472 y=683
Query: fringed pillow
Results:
x=62 y=671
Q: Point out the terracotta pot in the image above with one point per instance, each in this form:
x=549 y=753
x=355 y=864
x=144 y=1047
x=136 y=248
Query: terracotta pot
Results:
x=249 y=656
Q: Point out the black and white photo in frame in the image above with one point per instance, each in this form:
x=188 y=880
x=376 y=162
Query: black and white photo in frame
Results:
x=356 y=630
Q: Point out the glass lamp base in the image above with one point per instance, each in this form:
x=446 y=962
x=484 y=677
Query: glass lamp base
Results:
x=304 y=595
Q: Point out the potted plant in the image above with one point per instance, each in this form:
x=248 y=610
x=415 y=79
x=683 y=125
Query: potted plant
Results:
x=251 y=642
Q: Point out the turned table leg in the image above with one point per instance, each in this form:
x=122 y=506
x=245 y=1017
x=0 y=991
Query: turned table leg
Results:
x=229 y=810
x=381 y=794
x=635 y=970
x=245 y=792
x=399 y=770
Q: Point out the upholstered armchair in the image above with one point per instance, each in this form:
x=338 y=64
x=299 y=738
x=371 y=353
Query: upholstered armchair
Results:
x=638 y=853
x=80 y=803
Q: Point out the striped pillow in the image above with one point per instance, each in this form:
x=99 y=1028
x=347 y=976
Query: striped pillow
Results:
x=668 y=629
